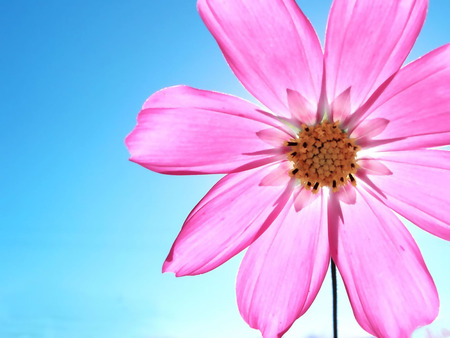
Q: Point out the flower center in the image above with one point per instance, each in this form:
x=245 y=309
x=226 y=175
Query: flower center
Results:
x=323 y=156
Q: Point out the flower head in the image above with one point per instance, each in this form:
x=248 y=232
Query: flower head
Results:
x=342 y=143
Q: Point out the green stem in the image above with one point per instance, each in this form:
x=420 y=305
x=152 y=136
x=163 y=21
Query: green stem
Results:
x=334 y=284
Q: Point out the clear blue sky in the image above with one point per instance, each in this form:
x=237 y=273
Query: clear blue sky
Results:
x=84 y=231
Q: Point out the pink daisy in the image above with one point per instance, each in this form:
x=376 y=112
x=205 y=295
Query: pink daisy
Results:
x=342 y=144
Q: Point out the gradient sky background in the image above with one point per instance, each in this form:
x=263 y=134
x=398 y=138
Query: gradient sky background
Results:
x=84 y=231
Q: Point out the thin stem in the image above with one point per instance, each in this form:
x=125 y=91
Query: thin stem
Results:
x=334 y=284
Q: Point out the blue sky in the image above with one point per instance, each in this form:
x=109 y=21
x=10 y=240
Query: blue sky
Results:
x=84 y=231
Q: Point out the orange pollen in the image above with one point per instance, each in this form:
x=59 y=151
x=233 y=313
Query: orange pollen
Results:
x=323 y=156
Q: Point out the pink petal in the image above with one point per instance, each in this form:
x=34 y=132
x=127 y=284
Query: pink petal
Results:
x=417 y=105
x=301 y=110
x=272 y=136
x=283 y=270
x=341 y=107
x=182 y=130
x=373 y=167
x=346 y=194
x=303 y=197
x=270 y=46
x=367 y=42
x=369 y=128
x=229 y=218
x=418 y=188
x=389 y=286
x=278 y=175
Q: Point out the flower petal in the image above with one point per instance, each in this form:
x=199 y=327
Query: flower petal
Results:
x=270 y=46
x=346 y=194
x=369 y=128
x=418 y=188
x=278 y=175
x=416 y=104
x=341 y=106
x=301 y=109
x=230 y=217
x=303 y=197
x=182 y=130
x=389 y=286
x=283 y=270
x=373 y=167
x=367 y=42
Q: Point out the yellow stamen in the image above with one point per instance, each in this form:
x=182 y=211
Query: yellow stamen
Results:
x=323 y=156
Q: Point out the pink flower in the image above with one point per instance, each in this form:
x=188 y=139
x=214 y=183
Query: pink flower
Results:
x=344 y=142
